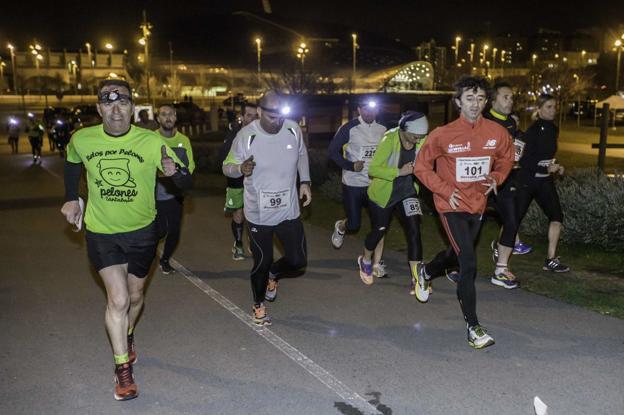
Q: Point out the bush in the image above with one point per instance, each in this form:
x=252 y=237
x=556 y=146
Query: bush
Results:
x=332 y=187
x=593 y=210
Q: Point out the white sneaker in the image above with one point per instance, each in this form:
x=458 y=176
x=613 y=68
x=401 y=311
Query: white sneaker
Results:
x=421 y=285
x=379 y=270
x=337 y=237
x=478 y=337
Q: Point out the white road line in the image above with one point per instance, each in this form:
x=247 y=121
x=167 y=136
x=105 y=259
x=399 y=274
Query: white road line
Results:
x=326 y=378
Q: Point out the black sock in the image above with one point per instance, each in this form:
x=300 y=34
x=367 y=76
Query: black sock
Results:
x=237 y=231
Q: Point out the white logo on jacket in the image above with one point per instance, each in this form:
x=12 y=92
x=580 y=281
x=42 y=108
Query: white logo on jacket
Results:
x=491 y=144
x=459 y=148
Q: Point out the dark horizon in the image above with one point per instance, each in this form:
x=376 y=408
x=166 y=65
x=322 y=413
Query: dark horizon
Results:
x=189 y=24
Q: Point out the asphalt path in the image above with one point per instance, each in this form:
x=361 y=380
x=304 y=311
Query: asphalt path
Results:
x=336 y=345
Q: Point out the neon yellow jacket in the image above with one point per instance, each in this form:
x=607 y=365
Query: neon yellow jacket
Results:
x=384 y=168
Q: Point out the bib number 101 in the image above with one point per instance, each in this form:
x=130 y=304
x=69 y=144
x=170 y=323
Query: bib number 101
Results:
x=473 y=171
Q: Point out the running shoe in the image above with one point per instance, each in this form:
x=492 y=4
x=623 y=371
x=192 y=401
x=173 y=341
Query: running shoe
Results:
x=478 y=337
x=237 y=253
x=421 y=284
x=337 y=237
x=379 y=270
x=521 y=248
x=452 y=276
x=132 y=355
x=504 y=279
x=555 y=265
x=165 y=267
x=271 y=290
x=260 y=316
x=125 y=388
x=366 y=271
x=494 y=248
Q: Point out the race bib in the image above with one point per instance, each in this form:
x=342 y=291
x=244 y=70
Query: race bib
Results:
x=271 y=201
x=519 y=149
x=471 y=169
x=367 y=152
x=411 y=206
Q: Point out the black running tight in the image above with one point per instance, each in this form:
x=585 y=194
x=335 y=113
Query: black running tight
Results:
x=291 y=235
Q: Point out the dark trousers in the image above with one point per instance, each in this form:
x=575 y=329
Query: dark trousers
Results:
x=291 y=235
x=462 y=230
x=169 y=218
x=380 y=218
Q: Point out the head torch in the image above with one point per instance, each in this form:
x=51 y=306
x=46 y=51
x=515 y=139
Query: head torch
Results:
x=109 y=97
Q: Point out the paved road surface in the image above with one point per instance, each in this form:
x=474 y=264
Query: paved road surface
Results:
x=336 y=346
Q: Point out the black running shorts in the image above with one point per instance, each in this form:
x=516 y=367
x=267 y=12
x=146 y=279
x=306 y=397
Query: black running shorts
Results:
x=135 y=248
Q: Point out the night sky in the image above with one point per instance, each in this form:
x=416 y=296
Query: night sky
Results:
x=188 y=23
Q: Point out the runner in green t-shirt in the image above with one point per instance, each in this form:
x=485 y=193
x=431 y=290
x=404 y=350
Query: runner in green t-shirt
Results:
x=121 y=162
x=169 y=196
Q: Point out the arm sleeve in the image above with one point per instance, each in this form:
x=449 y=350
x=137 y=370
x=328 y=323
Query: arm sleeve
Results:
x=236 y=156
x=73 y=172
x=504 y=159
x=303 y=164
x=423 y=168
x=377 y=167
x=189 y=153
x=335 y=148
x=530 y=159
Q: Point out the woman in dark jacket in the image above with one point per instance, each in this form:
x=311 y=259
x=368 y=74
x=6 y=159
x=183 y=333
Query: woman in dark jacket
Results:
x=535 y=179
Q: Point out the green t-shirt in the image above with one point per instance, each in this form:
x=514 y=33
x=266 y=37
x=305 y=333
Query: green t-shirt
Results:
x=121 y=176
x=181 y=141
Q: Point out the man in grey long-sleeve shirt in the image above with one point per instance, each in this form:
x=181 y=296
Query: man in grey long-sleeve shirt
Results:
x=270 y=152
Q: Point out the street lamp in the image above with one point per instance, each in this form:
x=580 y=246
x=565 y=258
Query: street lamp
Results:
x=259 y=53
x=88 y=45
x=485 y=49
x=13 y=67
x=301 y=54
x=618 y=45
x=472 y=47
x=494 y=58
x=503 y=52
x=145 y=28
x=534 y=58
x=457 y=40
x=110 y=53
x=354 y=47
x=578 y=100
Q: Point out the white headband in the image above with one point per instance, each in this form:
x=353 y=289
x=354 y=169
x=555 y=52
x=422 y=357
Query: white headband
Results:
x=418 y=126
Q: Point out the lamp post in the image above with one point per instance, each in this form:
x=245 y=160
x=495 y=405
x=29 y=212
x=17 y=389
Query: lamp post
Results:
x=503 y=52
x=354 y=47
x=109 y=47
x=618 y=45
x=2 y=65
x=13 y=67
x=302 y=51
x=259 y=54
x=145 y=27
x=494 y=50
x=457 y=40
x=472 y=47
x=485 y=49
x=578 y=100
